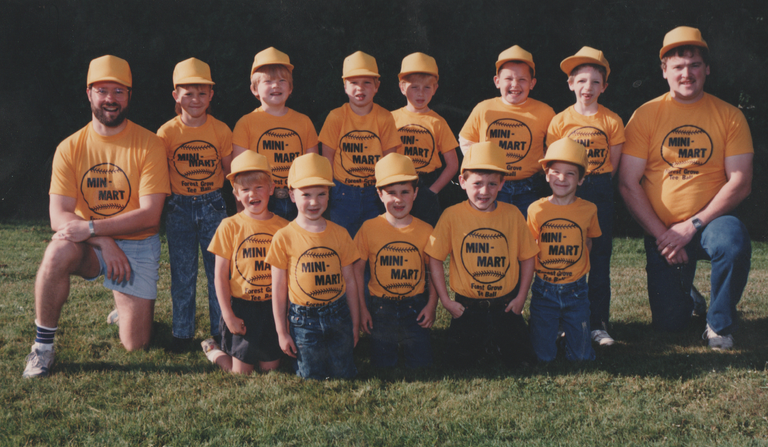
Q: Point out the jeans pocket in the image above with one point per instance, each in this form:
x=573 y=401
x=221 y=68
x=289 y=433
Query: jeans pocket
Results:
x=218 y=206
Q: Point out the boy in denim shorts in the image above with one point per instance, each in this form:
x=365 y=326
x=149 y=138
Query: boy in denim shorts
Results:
x=399 y=311
x=311 y=261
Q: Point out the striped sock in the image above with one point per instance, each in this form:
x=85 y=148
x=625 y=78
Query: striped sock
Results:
x=44 y=334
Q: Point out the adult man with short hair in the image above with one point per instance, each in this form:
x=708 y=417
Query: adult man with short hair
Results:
x=686 y=165
x=109 y=183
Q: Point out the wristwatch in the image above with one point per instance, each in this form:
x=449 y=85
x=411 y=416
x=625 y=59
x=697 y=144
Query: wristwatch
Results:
x=697 y=224
x=90 y=227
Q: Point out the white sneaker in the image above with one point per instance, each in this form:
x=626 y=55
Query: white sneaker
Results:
x=717 y=342
x=113 y=317
x=39 y=363
x=602 y=338
x=211 y=349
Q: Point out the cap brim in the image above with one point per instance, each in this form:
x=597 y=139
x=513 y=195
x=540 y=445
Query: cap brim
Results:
x=666 y=48
x=396 y=179
x=400 y=76
x=360 y=72
x=311 y=181
x=111 y=79
x=484 y=167
x=193 y=80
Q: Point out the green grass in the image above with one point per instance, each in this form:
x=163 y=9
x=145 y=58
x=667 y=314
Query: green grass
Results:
x=649 y=388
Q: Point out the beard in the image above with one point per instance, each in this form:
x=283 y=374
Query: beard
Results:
x=102 y=118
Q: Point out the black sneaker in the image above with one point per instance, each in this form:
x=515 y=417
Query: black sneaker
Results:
x=182 y=345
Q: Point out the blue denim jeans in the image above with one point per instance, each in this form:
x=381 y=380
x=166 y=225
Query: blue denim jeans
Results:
x=426 y=206
x=522 y=193
x=726 y=244
x=283 y=208
x=394 y=324
x=598 y=189
x=190 y=223
x=556 y=304
x=350 y=206
x=324 y=340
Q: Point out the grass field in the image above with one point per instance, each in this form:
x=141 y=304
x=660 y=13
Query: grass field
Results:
x=648 y=389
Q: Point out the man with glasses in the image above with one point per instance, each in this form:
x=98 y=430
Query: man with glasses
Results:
x=108 y=186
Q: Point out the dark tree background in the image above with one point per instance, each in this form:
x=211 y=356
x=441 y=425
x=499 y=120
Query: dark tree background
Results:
x=47 y=45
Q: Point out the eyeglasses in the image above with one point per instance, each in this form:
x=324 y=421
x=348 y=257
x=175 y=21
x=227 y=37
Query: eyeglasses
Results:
x=119 y=94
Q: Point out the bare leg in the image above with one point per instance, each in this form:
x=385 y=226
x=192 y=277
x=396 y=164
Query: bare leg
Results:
x=61 y=260
x=238 y=367
x=269 y=366
x=136 y=315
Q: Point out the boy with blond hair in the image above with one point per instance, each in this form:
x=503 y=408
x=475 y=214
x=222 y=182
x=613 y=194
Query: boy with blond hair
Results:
x=354 y=137
x=243 y=278
x=601 y=132
x=199 y=152
x=491 y=268
x=563 y=226
x=400 y=311
x=517 y=124
x=425 y=135
x=274 y=130
x=311 y=261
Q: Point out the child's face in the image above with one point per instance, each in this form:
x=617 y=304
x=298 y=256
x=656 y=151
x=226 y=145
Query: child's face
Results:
x=515 y=82
x=685 y=76
x=482 y=189
x=419 y=93
x=563 y=178
x=361 y=90
x=311 y=201
x=587 y=84
x=254 y=196
x=273 y=92
x=398 y=199
x=193 y=99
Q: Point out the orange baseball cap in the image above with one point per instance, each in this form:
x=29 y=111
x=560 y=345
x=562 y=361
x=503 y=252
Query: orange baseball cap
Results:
x=109 y=68
x=359 y=64
x=586 y=55
x=249 y=161
x=394 y=168
x=486 y=156
x=271 y=56
x=682 y=35
x=517 y=54
x=310 y=170
x=192 y=71
x=565 y=150
x=418 y=63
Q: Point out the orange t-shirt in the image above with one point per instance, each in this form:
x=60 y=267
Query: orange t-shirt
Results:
x=423 y=136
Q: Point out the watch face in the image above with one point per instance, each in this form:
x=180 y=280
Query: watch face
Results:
x=696 y=223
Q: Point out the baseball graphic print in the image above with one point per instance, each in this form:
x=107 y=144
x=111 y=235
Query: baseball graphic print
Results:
x=687 y=147
x=281 y=146
x=399 y=268
x=513 y=136
x=485 y=255
x=418 y=144
x=106 y=189
x=196 y=160
x=318 y=275
x=249 y=260
x=360 y=150
x=562 y=244
x=596 y=143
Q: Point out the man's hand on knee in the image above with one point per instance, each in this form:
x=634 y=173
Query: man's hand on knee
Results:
x=118 y=267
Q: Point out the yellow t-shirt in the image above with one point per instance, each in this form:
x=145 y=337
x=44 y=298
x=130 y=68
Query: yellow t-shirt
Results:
x=194 y=155
x=395 y=255
x=685 y=147
x=597 y=133
x=359 y=142
x=518 y=129
x=245 y=242
x=423 y=136
x=313 y=262
x=279 y=138
x=107 y=175
x=485 y=248
x=561 y=232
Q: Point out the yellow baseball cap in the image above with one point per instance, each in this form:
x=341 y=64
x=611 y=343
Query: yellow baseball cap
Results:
x=271 y=56
x=515 y=53
x=249 y=161
x=109 y=68
x=359 y=64
x=395 y=168
x=310 y=170
x=485 y=156
x=586 y=55
x=565 y=150
x=418 y=63
x=682 y=35
x=192 y=71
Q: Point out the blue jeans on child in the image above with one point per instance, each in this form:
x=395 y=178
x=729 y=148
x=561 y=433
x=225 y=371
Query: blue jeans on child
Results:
x=725 y=243
x=283 y=206
x=552 y=304
x=598 y=189
x=350 y=206
x=324 y=340
x=426 y=206
x=190 y=223
x=394 y=324
x=522 y=193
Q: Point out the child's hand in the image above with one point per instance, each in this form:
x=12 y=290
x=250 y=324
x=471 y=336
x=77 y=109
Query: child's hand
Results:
x=287 y=345
x=516 y=305
x=366 y=322
x=235 y=325
x=426 y=317
x=455 y=309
